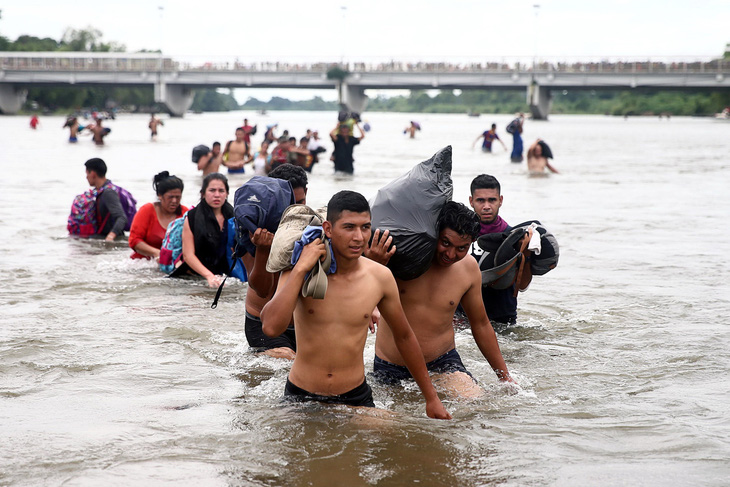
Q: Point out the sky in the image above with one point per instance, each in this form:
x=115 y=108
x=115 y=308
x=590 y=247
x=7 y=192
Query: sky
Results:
x=378 y=30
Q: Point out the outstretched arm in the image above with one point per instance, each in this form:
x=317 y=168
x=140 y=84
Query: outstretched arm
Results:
x=192 y=260
x=204 y=161
x=409 y=348
x=477 y=140
x=482 y=329
x=277 y=313
x=547 y=164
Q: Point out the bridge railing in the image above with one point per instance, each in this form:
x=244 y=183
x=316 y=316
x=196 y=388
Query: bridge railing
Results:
x=150 y=62
x=90 y=62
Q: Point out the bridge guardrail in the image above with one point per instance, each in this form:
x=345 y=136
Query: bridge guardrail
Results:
x=154 y=63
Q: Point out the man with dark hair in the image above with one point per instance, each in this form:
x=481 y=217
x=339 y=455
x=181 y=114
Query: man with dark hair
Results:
x=429 y=302
x=489 y=136
x=299 y=154
x=297 y=177
x=236 y=154
x=280 y=154
x=331 y=332
x=262 y=284
x=486 y=199
x=109 y=212
x=247 y=129
x=153 y=124
x=345 y=144
x=98 y=132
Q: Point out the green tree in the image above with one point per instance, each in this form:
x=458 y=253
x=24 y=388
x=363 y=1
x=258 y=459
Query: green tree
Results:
x=88 y=39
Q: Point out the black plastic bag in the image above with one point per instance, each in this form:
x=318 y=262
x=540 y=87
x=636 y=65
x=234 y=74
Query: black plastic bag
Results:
x=409 y=208
x=200 y=151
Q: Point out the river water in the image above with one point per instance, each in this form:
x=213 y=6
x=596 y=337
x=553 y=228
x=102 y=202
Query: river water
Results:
x=111 y=374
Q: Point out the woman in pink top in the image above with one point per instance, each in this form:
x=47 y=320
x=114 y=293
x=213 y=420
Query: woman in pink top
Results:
x=151 y=221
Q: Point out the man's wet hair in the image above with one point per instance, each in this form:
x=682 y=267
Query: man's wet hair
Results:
x=97 y=165
x=485 y=181
x=346 y=200
x=292 y=139
x=163 y=182
x=216 y=144
x=459 y=218
x=304 y=139
x=296 y=176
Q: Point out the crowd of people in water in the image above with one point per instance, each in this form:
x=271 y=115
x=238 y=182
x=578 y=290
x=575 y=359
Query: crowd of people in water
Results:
x=276 y=150
x=324 y=339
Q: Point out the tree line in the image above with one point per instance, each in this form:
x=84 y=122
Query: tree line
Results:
x=67 y=98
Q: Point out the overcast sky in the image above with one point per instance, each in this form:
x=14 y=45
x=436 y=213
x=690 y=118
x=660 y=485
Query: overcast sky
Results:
x=373 y=30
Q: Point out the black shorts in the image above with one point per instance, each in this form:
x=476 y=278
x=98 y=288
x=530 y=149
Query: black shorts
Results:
x=391 y=373
x=259 y=341
x=362 y=395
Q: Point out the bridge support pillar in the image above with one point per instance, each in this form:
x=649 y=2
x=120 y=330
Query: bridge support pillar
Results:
x=540 y=101
x=11 y=98
x=177 y=98
x=352 y=98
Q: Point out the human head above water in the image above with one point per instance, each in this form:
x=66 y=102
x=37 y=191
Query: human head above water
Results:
x=216 y=176
x=485 y=181
x=96 y=165
x=163 y=182
x=297 y=177
x=459 y=218
x=346 y=200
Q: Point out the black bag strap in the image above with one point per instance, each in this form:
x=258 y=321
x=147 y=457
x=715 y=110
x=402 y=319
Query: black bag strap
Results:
x=214 y=305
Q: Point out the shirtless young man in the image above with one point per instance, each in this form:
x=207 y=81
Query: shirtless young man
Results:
x=238 y=153
x=331 y=332
x=262 y=284
x=537 y=162
x=299 y=154
x=209 y=162
x=98 y=132
x=73 y=126
x=429 y=302
x=154 y=123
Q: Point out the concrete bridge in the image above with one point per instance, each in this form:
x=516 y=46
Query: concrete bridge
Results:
x=174 y=81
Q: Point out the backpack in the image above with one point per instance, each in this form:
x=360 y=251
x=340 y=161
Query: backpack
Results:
x=238 y=270
x=233 y=256
x=82 y=219
x=129 y=204
x=171 y=250
x=259 y=203
x=513 y=126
